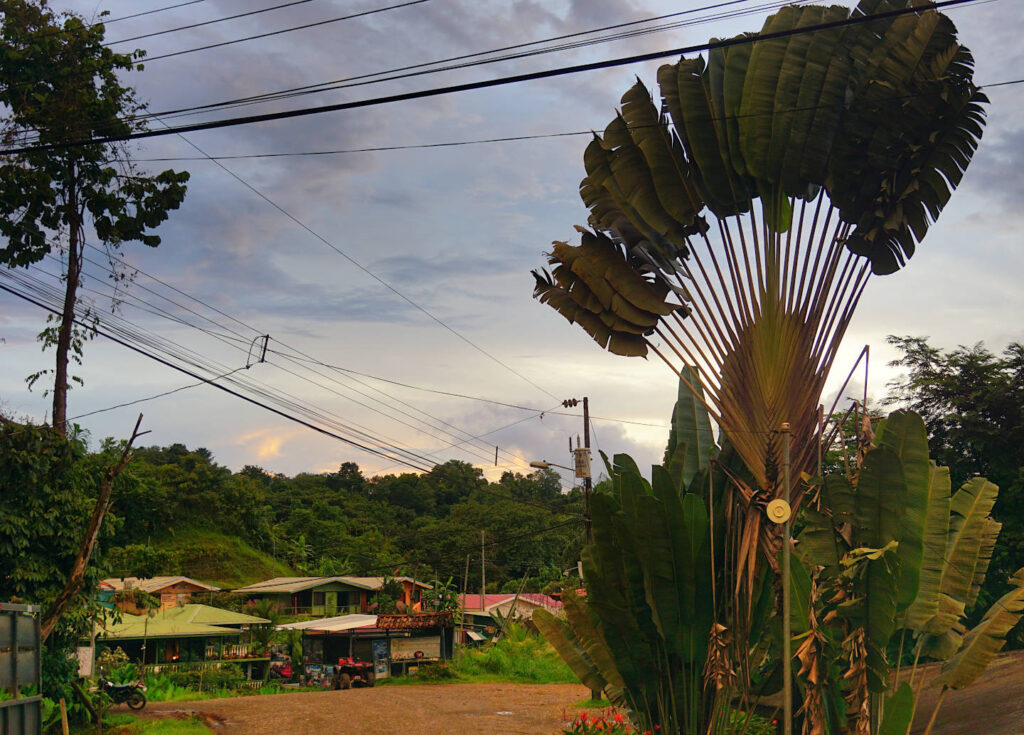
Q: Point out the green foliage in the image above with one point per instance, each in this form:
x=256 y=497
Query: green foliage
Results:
x=436 y=671
x=442 y=596
x=227 y=676
x=114 y=666
x=140 y=560
x=518 y=656
x=972 y=401
x=62 y=85
x=256 y=526
x=219 y=558
x=651 y=631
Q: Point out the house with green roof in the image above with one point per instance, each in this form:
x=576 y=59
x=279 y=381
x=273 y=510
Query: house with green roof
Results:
x=190 y=634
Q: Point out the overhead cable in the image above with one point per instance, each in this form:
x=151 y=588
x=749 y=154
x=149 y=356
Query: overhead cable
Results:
x=207 y=22
x=285 y=30
x=489 y=83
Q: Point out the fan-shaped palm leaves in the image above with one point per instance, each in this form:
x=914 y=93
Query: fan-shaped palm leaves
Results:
x=756 y=201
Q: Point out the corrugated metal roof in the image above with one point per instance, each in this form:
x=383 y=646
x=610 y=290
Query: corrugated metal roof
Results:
x=333 y=625
x=139 y=626
x=153 y=584
x=290 y=585
x=207 y=615
x=472 y=602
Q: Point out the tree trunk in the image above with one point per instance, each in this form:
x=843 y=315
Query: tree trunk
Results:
x=77 y=576
x=67 y=318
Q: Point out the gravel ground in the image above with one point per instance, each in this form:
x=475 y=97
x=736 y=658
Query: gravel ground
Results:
x=445 y=709
x=993 y=705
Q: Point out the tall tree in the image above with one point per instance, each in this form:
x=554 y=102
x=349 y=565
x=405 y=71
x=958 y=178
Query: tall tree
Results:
x=61 y=87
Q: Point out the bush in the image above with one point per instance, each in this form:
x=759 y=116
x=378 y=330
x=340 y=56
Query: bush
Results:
x=229 y=676
x=436 y=671
x=518 y=656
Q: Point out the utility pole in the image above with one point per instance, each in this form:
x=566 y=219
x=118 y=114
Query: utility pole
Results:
x=787 y=635
x=582 y=461
x=483 y=574
x=587 y=482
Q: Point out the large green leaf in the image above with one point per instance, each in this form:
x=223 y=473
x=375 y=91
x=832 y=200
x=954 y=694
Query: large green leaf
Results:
x=670 y=172
x=925 y=606
x=904 y=433
x=881 y=494
x=899 y=710
x=881 y=499
x=691 y=442
x=703 y=130
x=818 y=543
x=986 y=639
x=971 y=506
x=909 y=132
x=564 y=640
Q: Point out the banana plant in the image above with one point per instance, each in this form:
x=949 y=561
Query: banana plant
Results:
x=652 y=631
x=895 y=552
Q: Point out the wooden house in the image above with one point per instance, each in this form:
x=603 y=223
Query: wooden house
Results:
x=171 y=591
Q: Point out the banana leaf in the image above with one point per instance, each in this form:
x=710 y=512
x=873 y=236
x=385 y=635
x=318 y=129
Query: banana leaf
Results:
x=904 y=433
x=691 y=443
x=986 y=639
x=925 y=606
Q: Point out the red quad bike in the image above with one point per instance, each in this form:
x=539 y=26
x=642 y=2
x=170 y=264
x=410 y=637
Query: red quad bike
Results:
x=352 y=673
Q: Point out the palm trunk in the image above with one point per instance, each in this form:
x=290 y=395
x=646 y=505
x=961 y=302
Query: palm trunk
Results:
x=67 y=317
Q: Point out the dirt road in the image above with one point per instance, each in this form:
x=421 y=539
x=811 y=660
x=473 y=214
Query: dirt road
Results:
x=993 y=705
x=448 y=709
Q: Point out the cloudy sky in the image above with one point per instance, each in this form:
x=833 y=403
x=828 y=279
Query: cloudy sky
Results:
x=413 y=265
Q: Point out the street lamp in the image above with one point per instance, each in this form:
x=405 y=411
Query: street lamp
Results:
x=543 y=465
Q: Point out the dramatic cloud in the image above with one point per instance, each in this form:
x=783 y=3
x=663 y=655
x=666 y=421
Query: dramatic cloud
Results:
x=455 y=229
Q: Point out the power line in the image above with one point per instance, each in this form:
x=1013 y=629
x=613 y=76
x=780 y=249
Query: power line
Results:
x=283 y=30
x=424 y=467
x=489 y=83
x=204 y=381
x=338 y=83
x=148 y=12
x=207 y=22
x=504 y=139
x=290 y=357
x=396 y=72
x=477 y=398
x=244 y=346
x=366 y=270
x=296 y=354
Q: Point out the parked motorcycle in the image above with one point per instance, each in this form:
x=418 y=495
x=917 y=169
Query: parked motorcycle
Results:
x=131 y=694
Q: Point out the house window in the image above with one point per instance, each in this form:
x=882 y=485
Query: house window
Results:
x=319 y=599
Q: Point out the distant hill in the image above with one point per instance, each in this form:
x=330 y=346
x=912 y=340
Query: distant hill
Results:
x=222 y=560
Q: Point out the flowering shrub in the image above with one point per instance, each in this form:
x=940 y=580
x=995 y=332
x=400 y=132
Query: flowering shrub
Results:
x=608 y=722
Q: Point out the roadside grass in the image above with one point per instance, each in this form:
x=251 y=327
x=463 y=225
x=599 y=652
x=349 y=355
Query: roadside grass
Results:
x=161 y=689
x=518 y=657
x=122 y=723
x=593 y=704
